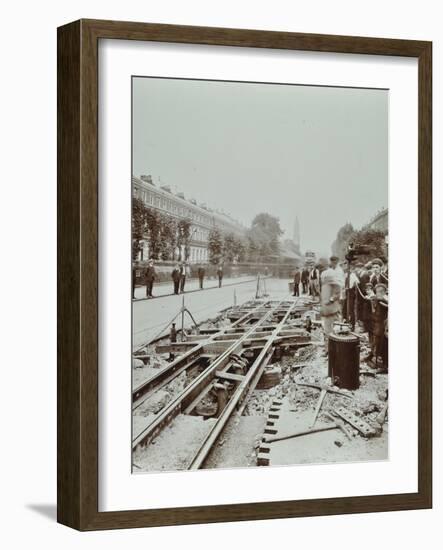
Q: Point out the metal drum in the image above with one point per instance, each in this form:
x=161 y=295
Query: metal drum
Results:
x=344 y=360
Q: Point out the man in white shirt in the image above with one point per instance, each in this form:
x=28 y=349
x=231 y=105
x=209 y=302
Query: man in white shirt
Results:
x=340 y=274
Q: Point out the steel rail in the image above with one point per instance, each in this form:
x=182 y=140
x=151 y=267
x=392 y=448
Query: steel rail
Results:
x=243 y=389
x=195 y=387
x=144 y=390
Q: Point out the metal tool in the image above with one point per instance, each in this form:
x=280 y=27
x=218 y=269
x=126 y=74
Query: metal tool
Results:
x=356 y=422
x=334 y=426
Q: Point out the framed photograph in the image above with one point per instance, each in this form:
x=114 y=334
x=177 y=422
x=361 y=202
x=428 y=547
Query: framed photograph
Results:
x=244 y=274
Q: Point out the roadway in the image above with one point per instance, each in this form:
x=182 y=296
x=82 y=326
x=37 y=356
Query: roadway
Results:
x=151 y=317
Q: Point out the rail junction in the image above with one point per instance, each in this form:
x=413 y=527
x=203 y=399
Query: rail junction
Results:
x=222 y=367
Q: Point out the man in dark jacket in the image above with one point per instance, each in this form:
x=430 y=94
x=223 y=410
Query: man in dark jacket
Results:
x=134 y=279
x=176 y=278
x=305 y=279
x=201 y=275
x=220 y=275
x=150 y=276
x=297 y=278
x=314 y=282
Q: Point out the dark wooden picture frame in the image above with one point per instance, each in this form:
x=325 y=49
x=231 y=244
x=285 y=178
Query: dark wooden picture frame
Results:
x=77 y=173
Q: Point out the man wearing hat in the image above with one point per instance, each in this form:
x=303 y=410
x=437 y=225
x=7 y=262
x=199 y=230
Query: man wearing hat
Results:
x=150 y=276
x=297 y=277
x=201 y=275
x=176 y=276
x=376 y=276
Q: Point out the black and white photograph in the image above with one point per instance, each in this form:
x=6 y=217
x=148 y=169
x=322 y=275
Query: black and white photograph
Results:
x=260 y=274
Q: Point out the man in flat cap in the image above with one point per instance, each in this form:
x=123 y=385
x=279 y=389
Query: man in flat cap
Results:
x=150 y=277
x=376 y=276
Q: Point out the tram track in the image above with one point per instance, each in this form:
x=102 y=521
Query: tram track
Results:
x=256 y=329
x=186 y=360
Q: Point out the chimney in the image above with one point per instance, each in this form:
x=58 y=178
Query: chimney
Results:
x=147 y=179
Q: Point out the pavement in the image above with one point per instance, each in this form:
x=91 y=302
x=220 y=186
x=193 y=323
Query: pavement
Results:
x=151 y=318
x=192 y=285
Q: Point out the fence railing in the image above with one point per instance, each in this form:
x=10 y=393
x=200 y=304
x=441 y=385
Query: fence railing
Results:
x=164 y=269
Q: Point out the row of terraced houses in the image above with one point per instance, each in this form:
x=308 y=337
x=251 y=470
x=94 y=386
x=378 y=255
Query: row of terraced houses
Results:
x=203 y=218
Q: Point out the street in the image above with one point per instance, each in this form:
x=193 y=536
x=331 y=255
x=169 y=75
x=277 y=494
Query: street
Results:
x=151 y=317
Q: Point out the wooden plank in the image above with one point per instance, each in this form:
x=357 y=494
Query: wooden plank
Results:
x=230 y=376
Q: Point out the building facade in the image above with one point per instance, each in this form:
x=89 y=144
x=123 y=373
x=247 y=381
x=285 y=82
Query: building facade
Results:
x=379 y=222
x=203 y=219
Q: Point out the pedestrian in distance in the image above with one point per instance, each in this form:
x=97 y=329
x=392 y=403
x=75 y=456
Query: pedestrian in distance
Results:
x=182 y=277
x=314 y=282
x=220 y=275
x=134 y=279
x=297 y=279
x=150 y=277
x=201 y=275
x=305 y=279
x=176 y=278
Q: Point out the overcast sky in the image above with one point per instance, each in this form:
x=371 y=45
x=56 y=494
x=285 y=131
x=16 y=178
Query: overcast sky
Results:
x=314 y=152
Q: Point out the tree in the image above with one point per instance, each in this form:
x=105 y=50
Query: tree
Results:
x=340 y=246
x=138 y=226
x=215 y=246
x=239 y=249
x=169 y=238
x=153 y=232
x=373 y=240
x=264 y=236
x=252 y=249
x=229 y=247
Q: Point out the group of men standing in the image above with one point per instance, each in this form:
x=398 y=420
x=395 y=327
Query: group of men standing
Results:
x=179 y=274
x=367 y=304
x=357 y=294
x=309 y=279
